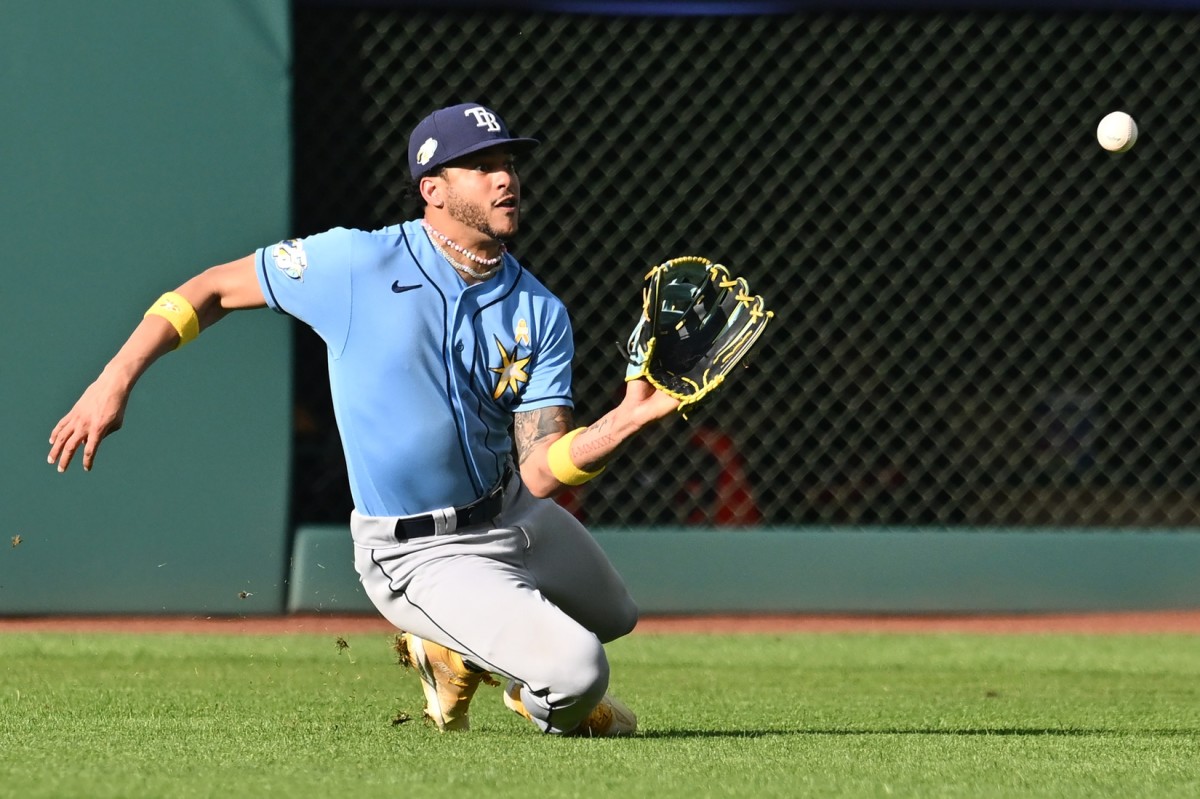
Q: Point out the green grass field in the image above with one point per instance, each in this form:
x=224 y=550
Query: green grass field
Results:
x=856 y=715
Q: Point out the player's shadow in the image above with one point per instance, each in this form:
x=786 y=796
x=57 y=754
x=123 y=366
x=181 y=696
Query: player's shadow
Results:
x=981 y=731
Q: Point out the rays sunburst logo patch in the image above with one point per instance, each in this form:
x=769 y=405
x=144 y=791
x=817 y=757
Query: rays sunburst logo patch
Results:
x=511 y=371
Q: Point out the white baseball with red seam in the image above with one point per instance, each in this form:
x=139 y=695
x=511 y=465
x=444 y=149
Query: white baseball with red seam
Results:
x=1117 y=132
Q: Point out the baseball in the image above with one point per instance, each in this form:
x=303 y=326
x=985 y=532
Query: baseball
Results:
x=1117 y=132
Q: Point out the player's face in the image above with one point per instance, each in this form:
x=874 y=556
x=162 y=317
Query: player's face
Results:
x=484 y=192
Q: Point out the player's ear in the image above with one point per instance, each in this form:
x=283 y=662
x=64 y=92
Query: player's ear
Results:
x=433 y=190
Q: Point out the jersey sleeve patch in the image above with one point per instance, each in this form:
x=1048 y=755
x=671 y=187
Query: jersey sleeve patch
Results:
x=290 y=258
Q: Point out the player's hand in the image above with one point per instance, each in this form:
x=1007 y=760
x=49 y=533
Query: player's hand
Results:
x=646 y=403
x=99 y=412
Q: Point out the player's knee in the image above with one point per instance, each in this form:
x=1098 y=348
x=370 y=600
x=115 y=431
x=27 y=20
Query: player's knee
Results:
x=567 y=687
x=582 y=676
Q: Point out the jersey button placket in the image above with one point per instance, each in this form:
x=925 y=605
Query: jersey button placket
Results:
x=464 y=336
x=462 y=377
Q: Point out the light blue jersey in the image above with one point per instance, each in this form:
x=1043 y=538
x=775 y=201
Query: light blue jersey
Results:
x=425 y=370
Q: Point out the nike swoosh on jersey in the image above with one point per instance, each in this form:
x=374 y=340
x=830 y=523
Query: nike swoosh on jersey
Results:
x=396 y=287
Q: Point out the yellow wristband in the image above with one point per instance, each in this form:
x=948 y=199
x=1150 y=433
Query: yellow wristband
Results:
x=180 y=313
x=561 y=465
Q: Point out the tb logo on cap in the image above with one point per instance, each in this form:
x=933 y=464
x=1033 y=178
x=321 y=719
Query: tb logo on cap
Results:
x=484 y=119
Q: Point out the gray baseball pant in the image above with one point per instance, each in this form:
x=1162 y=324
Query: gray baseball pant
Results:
x=532 y=598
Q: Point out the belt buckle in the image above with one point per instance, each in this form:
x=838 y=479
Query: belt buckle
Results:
x=446 y=521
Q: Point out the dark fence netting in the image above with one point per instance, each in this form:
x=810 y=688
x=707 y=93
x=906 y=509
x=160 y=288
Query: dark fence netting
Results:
x=983 y=318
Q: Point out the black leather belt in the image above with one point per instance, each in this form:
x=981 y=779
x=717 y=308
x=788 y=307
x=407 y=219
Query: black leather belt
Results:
x=481 y=511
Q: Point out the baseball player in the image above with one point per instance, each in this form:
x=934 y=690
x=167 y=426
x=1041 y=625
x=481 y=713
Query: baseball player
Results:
x=443 y=351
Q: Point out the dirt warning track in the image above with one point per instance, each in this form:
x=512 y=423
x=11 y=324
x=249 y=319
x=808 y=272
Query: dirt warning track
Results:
x=1175 y=621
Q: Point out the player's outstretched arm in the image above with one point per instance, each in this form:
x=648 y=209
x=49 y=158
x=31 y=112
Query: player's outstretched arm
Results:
x=547 y=455
x=100 y=411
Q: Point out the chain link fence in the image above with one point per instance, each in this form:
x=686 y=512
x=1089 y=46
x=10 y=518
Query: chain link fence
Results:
x=983 y=319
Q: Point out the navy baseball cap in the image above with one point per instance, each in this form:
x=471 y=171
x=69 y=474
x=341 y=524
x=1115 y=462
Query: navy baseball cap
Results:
x=449 y=133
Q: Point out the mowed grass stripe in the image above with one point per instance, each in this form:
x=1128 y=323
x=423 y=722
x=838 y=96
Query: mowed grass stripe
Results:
x=824 y=715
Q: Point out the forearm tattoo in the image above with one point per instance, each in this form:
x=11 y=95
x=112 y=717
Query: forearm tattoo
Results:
x=530 y=427
x=601 y=440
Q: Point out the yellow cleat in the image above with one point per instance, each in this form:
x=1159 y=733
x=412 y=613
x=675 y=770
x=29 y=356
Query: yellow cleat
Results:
x=447 y=681
x=609 y=719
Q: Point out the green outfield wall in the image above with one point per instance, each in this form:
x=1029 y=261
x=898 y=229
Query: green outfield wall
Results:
x=139 y=143
x=832 y=570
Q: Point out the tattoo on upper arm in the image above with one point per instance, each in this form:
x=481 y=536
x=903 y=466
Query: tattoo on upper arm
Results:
x=530 y=427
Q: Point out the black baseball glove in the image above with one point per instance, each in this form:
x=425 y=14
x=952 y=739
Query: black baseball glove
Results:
x=698 y=322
